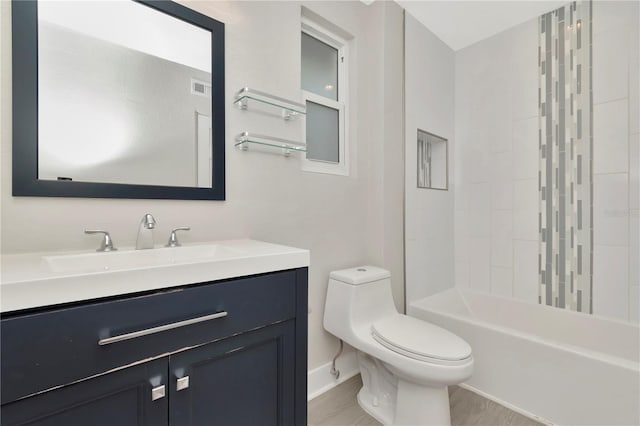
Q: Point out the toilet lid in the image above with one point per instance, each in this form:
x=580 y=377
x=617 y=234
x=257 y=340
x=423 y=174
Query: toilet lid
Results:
x=420 y=339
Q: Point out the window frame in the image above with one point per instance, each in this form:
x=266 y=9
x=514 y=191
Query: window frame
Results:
x=320 y=33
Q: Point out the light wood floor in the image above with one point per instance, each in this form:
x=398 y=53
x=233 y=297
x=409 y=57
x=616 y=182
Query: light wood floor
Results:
x=339 y=407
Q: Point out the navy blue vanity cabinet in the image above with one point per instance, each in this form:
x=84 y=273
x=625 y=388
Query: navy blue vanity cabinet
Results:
x=231 y=352
x=245 y=380
x=119 y=398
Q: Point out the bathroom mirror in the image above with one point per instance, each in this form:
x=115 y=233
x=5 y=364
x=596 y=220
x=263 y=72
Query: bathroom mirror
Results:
x=117 y=99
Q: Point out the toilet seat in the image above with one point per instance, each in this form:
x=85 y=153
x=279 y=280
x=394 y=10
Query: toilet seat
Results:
x=420 y=340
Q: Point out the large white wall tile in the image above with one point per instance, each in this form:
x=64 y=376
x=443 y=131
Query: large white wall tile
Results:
x=522 y=76
x=479 y=163
x=411 y=218
x=610 y=137
x=613 y=15
x=461 y=222
x=611 y=281
x=438 y=266
x=435 y=216
x=429 y=267
x=501 y=281
x=461 y=249
x=462 y=274
x=501 y=183
x=634 y=247
x=500 y=138
x=634 y=90
x=480 y=264
x=491 y=99
x=634 y=17
x=417 y=268
x=461 y=227
x=480 y=210
x=525 y=209
x=525 y=34
x=461 y=195
x=610 y=65
x=634 y=171
x=500 y=135
x=502 y=238
x=525 y=104
x=634 y=67
x=610 y=209
x=634 y=303
x=525 y=270
x=525 y=149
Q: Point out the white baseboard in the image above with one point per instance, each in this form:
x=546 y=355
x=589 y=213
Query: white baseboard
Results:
x=320 y=379
x=506 y=404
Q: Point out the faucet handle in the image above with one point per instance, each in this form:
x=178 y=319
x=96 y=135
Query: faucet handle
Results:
x=107 y=242
x=173 y=238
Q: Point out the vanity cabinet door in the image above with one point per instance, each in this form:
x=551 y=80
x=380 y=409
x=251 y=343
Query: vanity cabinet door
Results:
x=243 y=380
x=122 y=398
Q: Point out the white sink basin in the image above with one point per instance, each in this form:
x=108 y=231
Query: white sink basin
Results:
x=32 y=280
x=131 y=259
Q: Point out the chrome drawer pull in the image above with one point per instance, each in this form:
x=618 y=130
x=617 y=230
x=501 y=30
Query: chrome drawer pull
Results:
x=157 y=393
x=153 y=330
x=182 y=383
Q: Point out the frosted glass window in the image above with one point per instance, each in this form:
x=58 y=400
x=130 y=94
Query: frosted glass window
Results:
x=319 y=67
x=323 y=140
x=324 y=71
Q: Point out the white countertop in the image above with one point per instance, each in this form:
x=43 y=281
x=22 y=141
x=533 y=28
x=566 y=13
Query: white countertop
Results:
x=35 y=279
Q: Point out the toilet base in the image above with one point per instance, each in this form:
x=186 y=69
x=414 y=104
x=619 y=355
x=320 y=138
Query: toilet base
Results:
x=419 y=406
x=394 y=401
x=382 y=413
x=379 y=389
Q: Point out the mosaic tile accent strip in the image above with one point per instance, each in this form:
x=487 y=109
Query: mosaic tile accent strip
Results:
x=565 y=181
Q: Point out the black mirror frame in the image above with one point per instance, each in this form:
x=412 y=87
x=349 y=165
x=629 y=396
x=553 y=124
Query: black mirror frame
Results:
x=25 y=115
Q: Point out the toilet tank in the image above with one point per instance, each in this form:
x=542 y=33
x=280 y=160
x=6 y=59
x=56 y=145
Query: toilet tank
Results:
x=357 y=297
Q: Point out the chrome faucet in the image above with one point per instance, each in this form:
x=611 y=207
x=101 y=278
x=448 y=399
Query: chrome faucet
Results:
x=145 y=232
x=173 y=238
x=106 y=244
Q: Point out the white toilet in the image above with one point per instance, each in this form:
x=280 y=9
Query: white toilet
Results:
x=406 y=364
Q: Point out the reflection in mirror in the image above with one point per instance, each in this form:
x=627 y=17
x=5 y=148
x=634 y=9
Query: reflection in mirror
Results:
x=124 y=95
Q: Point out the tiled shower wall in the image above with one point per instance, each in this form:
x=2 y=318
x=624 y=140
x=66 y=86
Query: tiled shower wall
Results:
x=496 y=157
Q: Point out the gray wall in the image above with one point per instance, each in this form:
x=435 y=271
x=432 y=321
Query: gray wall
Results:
x=344 y=221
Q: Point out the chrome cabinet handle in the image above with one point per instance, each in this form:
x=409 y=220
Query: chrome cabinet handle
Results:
x=157 y=393
x=153 y=330
x=182 y=383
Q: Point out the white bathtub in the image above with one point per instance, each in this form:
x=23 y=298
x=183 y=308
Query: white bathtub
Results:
x=558 y=366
